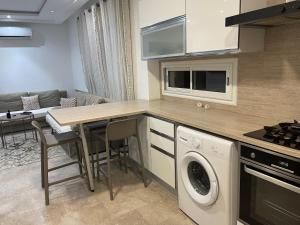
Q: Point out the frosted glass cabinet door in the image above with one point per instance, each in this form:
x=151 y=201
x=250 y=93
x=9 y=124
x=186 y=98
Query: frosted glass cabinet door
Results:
x=205 y=27
x=165 y=39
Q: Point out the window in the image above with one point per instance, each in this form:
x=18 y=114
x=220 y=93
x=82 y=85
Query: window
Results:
x=179 y=79
x=208 y=80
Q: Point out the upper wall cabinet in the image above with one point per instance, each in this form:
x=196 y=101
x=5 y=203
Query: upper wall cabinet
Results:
x=206 y=31
x=205 y=26
x=155 y=11
x=201 y=31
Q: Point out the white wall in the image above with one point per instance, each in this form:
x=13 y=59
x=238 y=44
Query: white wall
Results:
x=77 y=70
x=42 y=63
x=146 y=73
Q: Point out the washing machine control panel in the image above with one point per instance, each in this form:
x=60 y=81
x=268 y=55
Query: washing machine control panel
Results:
x=196 y=143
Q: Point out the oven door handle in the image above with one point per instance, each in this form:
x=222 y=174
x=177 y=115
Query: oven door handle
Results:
x=272 y=180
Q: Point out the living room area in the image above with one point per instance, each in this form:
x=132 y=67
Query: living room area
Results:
x=39 y=72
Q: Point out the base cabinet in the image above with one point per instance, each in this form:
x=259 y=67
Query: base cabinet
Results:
x=158 y=147
x=163 y=166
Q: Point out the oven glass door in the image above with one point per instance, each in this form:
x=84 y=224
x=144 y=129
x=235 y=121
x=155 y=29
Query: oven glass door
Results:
x=267 y=199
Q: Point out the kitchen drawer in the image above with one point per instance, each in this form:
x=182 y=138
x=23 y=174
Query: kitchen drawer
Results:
x=163 y=167
x=162 y=143
x=162 y=126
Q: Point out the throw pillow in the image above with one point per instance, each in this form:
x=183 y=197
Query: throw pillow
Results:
x=94 y=100
x=68 y=102
x=30 y=103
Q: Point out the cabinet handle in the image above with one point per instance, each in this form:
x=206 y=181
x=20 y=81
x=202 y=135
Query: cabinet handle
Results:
x=272 y=180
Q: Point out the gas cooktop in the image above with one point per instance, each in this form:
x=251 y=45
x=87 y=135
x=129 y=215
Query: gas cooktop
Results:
x=285 y=134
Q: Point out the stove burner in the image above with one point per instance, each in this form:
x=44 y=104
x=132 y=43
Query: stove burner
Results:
x=286 y=134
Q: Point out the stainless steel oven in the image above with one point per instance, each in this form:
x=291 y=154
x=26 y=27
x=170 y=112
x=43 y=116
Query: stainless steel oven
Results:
x=269 y=187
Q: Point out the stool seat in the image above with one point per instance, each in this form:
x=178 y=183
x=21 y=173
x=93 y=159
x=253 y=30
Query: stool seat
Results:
x=59 y=139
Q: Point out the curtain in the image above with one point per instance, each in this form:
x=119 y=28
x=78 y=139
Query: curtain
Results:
x=105 y=46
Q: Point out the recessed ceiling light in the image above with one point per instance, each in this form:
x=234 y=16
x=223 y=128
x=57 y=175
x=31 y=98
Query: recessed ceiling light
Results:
x=75 y=1
x=52 y=11
x=8 y=16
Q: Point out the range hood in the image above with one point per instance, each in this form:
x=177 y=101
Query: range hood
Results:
x=277 y=15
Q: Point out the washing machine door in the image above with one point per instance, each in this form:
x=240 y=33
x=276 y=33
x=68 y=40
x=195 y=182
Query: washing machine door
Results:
x=199 y=179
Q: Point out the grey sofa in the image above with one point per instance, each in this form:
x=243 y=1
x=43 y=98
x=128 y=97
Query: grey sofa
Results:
x=47 y=99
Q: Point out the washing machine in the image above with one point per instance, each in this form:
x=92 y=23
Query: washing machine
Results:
x=207 y=173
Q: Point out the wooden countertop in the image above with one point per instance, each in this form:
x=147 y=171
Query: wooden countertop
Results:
x=220 y=122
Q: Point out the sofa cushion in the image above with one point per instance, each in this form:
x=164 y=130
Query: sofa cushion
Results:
x=38 y=113
x=80 y=97
x=12 y=102
x=48 y=98
x=31 y=102
x=94 y=100
x=63 y=94
x=56 y=127
x=68 y=102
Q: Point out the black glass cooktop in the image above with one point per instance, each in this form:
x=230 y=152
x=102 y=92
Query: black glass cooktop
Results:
x=285 y=134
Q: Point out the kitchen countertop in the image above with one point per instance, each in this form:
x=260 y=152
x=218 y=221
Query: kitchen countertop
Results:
x=220 y=122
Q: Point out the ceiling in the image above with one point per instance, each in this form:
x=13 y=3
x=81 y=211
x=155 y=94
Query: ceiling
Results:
x=38 y=11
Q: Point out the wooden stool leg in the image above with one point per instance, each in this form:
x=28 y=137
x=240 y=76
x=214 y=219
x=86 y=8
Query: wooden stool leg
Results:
x=79 y=156
x=42 y=165
x=141 y=159
x=46 y=181
x=109 y=169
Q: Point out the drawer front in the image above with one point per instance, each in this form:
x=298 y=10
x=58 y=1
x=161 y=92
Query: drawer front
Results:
x=162 y=143
x=162 y=126
x=163 y=167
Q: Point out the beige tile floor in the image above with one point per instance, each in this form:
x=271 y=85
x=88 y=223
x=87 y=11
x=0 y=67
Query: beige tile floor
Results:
x=22 y=201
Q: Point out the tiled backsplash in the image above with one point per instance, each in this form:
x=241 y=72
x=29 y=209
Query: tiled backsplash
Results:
x=269 y=81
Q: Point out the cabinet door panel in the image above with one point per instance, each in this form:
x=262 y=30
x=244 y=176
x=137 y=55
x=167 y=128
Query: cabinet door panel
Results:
x=155 y=11
x=163 y=167
x=162 y=126
x=162 y=143
x=206 y=29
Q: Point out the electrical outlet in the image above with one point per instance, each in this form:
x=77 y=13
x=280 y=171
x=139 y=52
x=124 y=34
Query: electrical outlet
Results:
x=199 y=104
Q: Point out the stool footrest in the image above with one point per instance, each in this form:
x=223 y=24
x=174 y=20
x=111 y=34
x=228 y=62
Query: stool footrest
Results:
x=62 y=166
x=66 y=179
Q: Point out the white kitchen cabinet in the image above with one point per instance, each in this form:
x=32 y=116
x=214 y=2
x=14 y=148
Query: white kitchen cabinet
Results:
x=206 y=31
x=162 y=142
x=155 y=11
x=163 y=166
x=158 y=147
x=162 y=150
x=162 y=126
x=205 y=26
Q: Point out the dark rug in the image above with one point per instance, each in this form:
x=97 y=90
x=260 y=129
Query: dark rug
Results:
x=27 y=153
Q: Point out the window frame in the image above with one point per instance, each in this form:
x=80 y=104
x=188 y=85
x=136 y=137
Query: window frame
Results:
x=172 y=89
x=228 y=65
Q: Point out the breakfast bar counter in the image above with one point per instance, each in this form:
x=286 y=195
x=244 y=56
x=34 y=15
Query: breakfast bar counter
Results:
x=219 y=122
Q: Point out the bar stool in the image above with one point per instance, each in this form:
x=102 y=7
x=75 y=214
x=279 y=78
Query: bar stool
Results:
x=116 y=131
x=51 y=140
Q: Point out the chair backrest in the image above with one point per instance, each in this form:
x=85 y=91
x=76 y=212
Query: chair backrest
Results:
x=38 y=127
x=121 y=129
